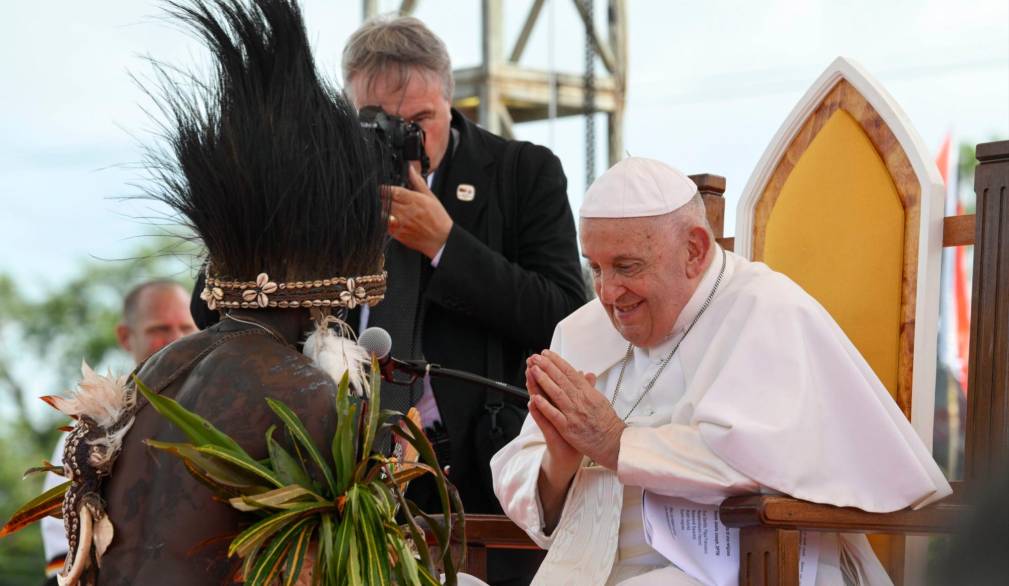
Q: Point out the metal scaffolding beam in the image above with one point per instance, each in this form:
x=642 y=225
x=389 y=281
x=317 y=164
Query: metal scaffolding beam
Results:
x=500 y=92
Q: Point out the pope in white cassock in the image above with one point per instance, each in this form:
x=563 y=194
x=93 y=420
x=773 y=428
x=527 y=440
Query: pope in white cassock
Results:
x=695 y=374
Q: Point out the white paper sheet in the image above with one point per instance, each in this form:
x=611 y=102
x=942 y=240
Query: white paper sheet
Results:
x=693 y=538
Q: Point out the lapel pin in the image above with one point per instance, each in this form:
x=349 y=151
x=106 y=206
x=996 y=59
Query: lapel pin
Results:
x=465 y=192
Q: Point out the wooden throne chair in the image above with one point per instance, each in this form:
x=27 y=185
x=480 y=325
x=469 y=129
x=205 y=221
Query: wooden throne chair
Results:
x=847 y=202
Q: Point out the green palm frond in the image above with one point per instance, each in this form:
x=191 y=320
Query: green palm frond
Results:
x=47 y=504
x=349 y=522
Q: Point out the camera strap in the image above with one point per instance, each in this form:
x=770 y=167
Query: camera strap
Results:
x=502 y=238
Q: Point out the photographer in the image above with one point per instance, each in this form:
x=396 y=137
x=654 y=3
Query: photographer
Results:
x=483 y=262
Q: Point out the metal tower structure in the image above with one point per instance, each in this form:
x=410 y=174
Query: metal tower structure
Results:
x=500 y=92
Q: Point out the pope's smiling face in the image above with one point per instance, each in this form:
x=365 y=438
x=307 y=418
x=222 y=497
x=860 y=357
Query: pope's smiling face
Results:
x=644 y=271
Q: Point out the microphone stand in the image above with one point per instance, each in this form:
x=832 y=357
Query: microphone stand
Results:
x=421 y=368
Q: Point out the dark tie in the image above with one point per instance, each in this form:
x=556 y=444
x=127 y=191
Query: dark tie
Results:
x=399 y=315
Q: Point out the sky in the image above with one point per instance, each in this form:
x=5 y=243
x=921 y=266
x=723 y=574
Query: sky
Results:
x=709 y=85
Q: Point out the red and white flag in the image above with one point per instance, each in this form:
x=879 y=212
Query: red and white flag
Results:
x=955 y=318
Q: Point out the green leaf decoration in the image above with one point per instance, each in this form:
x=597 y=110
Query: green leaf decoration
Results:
x=197 y=429
x=375 y=557
x=286 y=498
x=374 y=409
x=296 y=428
x=406 y=566
x=354 y=577
x=296 y=558
x=343 y=446
x=416 y=533
x=324 y=552
x=289 y=470
x=222 y=468
x=428 y=579
x=263 y=530
x=271 y=563
x=342 y=543
x=49 y=503
x=449 y=502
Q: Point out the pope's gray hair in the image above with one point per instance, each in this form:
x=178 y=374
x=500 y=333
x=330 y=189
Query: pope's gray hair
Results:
x=396 y=45
x=690 y=215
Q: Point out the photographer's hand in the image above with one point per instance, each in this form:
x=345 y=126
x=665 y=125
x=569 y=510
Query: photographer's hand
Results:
x=417 y=219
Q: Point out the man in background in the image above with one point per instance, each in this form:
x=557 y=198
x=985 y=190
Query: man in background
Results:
x=155 y=314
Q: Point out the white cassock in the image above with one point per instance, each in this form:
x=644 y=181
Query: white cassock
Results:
x=765 y=395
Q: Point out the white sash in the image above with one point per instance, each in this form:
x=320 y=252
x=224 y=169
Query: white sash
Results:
x=585 y=541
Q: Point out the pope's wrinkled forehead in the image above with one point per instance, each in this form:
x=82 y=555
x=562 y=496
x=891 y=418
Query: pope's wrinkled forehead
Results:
x=636 y=188
x=604 y=240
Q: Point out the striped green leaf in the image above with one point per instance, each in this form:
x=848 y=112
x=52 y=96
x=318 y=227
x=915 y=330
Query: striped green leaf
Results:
x=197 y=429
x=416 y=534
x=406 y=565
x=427 y=578
x=230 y=471
x=374 y=413
x=341 y=544
x=344 y=446
x=327 y=562
x=271 y=562
x=297 y=429
x=375 y=556
x=49 y=503
x=300 y=549
x=353 y=575
x=287 y=469
x=247 y=464
x=286 y=498
x=258 y=533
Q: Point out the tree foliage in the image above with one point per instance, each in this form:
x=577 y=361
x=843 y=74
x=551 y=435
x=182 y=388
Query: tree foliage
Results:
x=44 y=340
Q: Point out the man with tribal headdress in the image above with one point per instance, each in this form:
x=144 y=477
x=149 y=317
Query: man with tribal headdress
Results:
x=270 y=170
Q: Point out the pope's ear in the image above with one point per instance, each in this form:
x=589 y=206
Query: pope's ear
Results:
x=698 y=245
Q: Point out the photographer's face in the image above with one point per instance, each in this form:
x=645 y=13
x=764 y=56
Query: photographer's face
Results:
x=420 y=100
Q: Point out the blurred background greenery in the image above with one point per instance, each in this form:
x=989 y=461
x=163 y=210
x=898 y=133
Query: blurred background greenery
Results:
x=44 y=338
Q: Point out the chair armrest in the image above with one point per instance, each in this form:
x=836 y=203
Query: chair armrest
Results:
x=492 y=531
x=496 y=532
x=782 y=512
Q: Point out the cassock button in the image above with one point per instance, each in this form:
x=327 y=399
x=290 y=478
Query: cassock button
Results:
x=465 y=192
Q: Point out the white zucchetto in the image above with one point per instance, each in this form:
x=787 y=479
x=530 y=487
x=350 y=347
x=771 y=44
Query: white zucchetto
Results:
x=637 y=187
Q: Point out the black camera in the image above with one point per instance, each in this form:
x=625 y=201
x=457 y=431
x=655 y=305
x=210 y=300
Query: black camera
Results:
x=398 y=143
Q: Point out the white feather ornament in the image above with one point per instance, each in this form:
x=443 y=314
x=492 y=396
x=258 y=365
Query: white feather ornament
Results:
x=336 y=354
x=106 y=400
x=103 y=399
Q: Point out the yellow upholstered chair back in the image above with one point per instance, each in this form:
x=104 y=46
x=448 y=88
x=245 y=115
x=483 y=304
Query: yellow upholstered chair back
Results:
x=848 y=204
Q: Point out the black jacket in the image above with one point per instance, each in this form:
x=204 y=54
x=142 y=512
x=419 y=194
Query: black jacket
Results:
x=488 y=305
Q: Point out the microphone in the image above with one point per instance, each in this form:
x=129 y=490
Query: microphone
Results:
x=377 y=341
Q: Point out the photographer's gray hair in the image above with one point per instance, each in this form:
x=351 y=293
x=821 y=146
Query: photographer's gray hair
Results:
x=400 y=44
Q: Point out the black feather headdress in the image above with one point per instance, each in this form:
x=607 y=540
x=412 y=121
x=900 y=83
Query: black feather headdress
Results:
x=267 y=163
